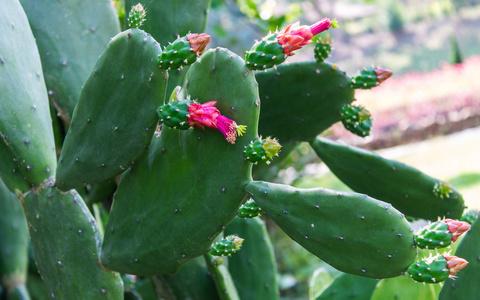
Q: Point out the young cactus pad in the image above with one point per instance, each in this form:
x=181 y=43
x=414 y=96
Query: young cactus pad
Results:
x=356 y=119
x=249 y=209
x=323 y=48
x=376 y=241
x=300 y=100
x=370 y=77
x=227 y=246
x=262 y=150
x=182 y=182
x=25 y=124
x=116 y=110
x=136 y=16
x=405 y=187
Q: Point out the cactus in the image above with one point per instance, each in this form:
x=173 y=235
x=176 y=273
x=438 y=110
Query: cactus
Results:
x=357 y=119
x=68 y=50
x=470 y=216
x=167 y=187
x=249 y=209
x=348 y=286
x=310 y=218
x=25 y=124
x=408 y=189
x=440 y=234
x=323 y=48
x=253 y=268
x=117 y=109
x=14 y=245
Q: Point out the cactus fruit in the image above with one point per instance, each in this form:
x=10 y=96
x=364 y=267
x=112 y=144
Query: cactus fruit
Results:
x=436 y=269
x=253 y=268
x=370 y=77
x=67 y=255
x=25 y=124
x=70 y=36
x=465 y=284
x=470 y=216
x=301 y=100
x=323 y=48
x=249 y=209
x=227 y=246
x=405 y=187
x=116 y=109
x=276 y=47
x=136 y=16
x=183 y=51
x=311 y=218
x=262 y=150
x=184 y=114
x=153 y=193
x=357 y=119
x=440 y=234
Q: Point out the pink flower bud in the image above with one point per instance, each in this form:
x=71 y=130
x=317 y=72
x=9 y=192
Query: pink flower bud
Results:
x=382 y=74
x=455 y=263
x=198 y=42
x=457 y=228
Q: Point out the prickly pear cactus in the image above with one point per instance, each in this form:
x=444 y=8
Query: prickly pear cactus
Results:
x=310 y=217
x=262 y=150
x=436 y=269
x=69 y=49
x=183 y=51
x=300 y=100
x=440 y=234
x=171 y=187
x=116 y=109
x=323 y=48
x=175 y=114
x=249 y=209
x=227 y=246
x=408 y=189
x=369 y=78
x=357 y=119
x=25 y=124
x=67 y=255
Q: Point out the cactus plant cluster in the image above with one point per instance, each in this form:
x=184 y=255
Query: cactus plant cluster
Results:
x=124 y=182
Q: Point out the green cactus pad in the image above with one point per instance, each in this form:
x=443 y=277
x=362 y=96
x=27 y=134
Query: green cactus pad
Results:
x=348 y=287
x=177 y=54
x=25 y=124
x=356 y=119
x=66 y=242
x=191 y=282
x=352 y=232
x=430 y=270
x=15 y=240
x=249 y=209
x=227 y=246
x=115 y=117
x=182 y=182
x=221 y=276
x=10 y=172
x=70 y=36
x=265 y=54
x=323 y=48
x=405 y=187
x=175 y=114
x=301 y=100
x=262 y=150
x=136 y=16
x=365 y=79
x=433 y=236
x=253 y=268
x=465 y=283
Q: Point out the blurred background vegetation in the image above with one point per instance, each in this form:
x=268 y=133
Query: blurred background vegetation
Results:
x=427 y=115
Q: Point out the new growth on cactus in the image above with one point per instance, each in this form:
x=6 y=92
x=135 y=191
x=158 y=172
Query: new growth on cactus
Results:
x=262 y=150
x=183 y=51
x=276 y=47
x=323 y=48
x=357 y=119
x=435 y=269
x=227 y=246
x=370 y=77
x=136 y=16
x=249 y=209
x=184 y=114
x=440 y=234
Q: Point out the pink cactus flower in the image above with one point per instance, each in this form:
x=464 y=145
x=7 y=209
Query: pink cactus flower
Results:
x=455 y=263
x=457 y=228
x=198 y=42
x=207 y=115
x=295 y=36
